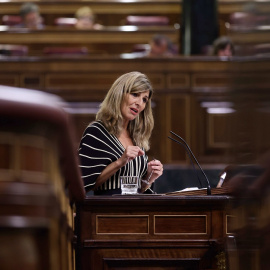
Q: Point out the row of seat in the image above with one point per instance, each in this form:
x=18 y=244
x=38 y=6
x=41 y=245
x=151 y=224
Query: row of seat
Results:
x=13 y=20
x=235 y=18
x=22 y=50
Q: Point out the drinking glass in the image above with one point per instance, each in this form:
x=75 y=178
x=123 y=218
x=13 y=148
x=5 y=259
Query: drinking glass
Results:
x=130 y=184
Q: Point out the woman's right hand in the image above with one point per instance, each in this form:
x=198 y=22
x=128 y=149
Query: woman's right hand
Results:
x=130 y=153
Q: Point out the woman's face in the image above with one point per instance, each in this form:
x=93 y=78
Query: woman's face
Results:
x=133 y=105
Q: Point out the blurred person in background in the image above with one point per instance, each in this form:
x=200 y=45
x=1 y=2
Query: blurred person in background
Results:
x=161 y=45
x=223 y=46
x=86 y=19
x=30 y=16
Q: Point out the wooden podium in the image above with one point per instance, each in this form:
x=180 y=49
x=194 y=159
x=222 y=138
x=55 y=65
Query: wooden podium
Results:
x=151 y=232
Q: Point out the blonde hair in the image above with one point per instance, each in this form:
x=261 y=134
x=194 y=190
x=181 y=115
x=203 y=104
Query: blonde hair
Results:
x=84 y=12
x=141 y=127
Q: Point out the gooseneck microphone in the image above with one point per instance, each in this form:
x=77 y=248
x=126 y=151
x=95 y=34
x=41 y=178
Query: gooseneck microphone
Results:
x=189 y=150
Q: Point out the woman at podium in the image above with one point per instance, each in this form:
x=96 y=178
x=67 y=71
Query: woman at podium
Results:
x=115 y=144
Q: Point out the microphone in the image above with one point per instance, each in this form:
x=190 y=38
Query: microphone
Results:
x=189 y=150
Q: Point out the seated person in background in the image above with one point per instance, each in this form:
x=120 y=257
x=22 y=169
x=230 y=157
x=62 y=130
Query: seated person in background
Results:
x=86 y=19
x=114 y=145
x=223 y=46
x=161 y=45
x=31 y=18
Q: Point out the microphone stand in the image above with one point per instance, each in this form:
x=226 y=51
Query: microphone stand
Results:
x=189 y=150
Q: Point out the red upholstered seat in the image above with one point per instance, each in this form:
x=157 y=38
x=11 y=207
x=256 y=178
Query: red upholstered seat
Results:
x=13 y=50
x=65 y=21
x=11 y=20
x=141 y=47
x=147 y=20
x=238 y=17
x=65 y=51
x=262 y=49
x=248 y=19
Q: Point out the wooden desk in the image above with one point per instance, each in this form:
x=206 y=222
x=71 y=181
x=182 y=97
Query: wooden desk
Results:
x=151 y=231
x=113 y=34
x=250 y=36
x=113 y=39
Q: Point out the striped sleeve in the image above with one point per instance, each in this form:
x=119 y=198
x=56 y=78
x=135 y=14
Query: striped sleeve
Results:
x=96 y=151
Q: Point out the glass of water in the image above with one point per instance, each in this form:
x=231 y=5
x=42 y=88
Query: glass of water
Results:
x=130 y=184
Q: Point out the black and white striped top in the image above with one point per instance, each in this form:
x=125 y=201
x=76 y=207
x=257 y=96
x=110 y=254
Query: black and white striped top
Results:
x=98 y=148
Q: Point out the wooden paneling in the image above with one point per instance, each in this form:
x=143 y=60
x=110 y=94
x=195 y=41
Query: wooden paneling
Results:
x=218 y=130
x=32 y=80
x=122 y=224
x=89 y=79
x=153 y=264
x=58 y=81
x=178 y=81
x=184 y=91
x=21 y=248
x=210 y=80
x=179 y=122
x=9 y=79
x=81 y=121
x=5 y=156
x=230 y=219
x=181 y=224
x=24 y=157
x=33 y=159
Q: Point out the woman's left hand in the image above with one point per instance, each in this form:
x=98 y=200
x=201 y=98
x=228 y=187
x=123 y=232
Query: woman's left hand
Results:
x=155 y=168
